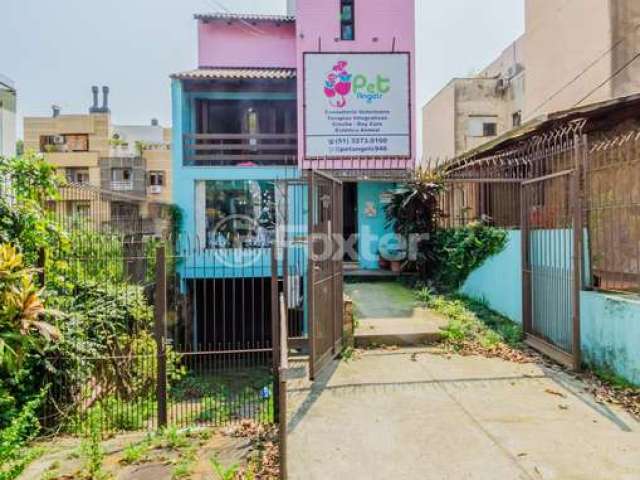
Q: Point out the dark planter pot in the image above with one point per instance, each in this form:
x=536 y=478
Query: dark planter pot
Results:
x=396 y=267
x=383 y=263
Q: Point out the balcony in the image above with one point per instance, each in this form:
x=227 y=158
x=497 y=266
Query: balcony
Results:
x=125 y=175
x=218 y=150
x=122 y=186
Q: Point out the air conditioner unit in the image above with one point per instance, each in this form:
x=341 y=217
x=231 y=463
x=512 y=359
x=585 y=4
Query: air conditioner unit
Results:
x=58 y=140
x=155 y=189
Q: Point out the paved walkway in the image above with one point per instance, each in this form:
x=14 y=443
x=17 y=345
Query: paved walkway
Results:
x=417 y=414
x=387 y=315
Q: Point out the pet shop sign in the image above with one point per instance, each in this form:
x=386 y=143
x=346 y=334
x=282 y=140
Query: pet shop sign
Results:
x=357 y=105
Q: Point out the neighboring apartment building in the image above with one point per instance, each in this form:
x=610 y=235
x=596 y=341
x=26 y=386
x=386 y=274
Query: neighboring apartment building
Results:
x=573 y=52
x=7 y=117
x=126 y=169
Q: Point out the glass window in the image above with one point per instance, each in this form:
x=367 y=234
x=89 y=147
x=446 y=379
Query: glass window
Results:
x=240 y=213
x=77 y=143
x=347 y=13
x=482 y=126
x=156 y=179
x=489 y=129
x=347 y=20
x=121 y=174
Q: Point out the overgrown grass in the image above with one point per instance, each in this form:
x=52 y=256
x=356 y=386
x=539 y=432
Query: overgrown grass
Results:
x=136 y=452
x=225 y=395
x=616 y=381
x=472 y=321
x=222 y=472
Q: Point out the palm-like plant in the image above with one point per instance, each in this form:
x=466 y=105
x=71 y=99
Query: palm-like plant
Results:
x=22 y=312
x=415 y=209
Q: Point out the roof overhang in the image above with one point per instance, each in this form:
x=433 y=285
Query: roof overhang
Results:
x=595 y=114
x=252 y=18
x=237 y=74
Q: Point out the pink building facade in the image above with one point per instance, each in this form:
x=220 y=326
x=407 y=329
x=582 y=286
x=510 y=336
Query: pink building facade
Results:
x=380 y=26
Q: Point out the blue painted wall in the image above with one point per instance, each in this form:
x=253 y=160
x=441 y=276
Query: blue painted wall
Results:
x=371 y=228
x=610 y=323
x=499 y=280
x=611 y=332
x=223 y=263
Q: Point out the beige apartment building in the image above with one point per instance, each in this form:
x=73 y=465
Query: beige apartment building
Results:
x=119 y=176
x=573 y=53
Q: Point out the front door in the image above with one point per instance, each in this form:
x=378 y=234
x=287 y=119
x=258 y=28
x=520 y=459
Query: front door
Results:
x=350 y=219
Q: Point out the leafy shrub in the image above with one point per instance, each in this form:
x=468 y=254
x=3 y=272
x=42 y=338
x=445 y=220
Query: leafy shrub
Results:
x=452 y=254
x=24 y=222
x=14 y=455
x=22 y=325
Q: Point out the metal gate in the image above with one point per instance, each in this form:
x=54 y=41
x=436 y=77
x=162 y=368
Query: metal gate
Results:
x=325 y=277
x=551 y=256
x=536 y=186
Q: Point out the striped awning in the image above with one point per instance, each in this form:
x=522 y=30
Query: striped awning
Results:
x=237 y=74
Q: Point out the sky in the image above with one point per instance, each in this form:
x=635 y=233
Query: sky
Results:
x=55 y=50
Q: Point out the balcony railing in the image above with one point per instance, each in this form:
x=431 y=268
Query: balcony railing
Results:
x=122 y=186
x=211 y=149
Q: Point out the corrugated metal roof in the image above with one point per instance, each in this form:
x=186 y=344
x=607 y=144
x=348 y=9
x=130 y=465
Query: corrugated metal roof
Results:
x=237 y=73
x=248 y=17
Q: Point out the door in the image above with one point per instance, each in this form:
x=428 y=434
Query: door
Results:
x=551 y=251
x=325 y=295
x=350 y=212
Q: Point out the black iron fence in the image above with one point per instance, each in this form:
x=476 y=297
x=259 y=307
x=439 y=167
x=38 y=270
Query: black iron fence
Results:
x=180 y=346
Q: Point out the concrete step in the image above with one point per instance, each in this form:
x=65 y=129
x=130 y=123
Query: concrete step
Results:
x=422 y=327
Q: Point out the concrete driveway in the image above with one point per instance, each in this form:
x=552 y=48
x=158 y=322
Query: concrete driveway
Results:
x=419 y=414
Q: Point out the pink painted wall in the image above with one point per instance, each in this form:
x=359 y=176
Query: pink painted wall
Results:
x=238 y=45
x=378 y=22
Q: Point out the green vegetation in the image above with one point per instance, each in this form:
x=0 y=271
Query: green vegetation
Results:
x=473 y=323
x=86 y=332
x=444 y=257
x=222 y=472
x=454 y=253
x=136 y=452
x=218 y=398
x=616 y=381
x=93 y=453
x=15 y=454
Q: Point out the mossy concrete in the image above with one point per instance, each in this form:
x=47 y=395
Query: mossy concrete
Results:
x=387 y=314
